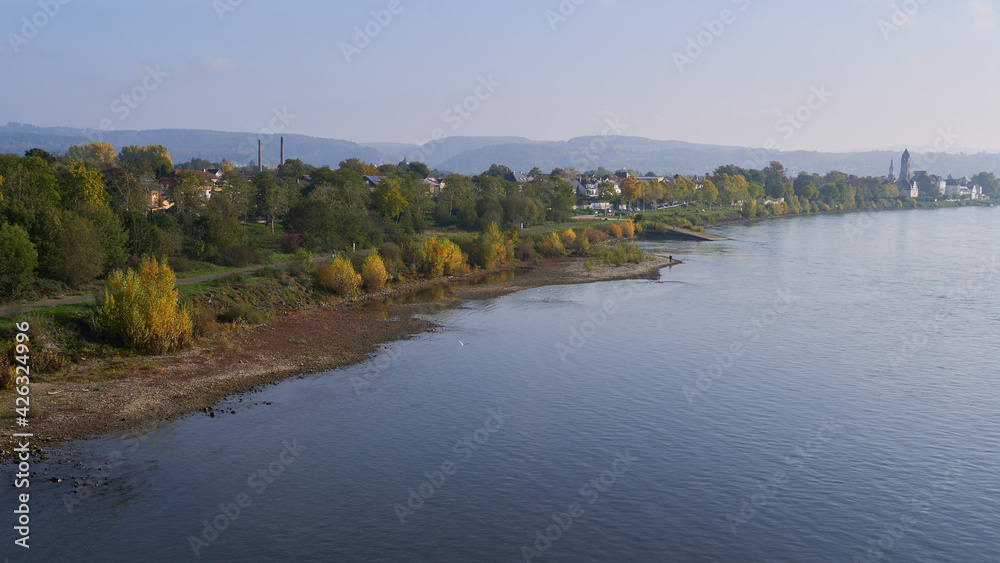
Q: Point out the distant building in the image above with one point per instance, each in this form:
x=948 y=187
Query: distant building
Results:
x=519 y=177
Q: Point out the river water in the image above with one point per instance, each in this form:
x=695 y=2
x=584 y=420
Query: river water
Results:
x=815 y=389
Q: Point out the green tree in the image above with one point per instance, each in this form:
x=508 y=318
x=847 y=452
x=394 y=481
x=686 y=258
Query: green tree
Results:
x=273 y=200
x=389 y=200
x=708 y=193
x=127 y=193
x=80 y=257
x=152 y=160
x=109 y=231
x=989 y=183
x=18 y=260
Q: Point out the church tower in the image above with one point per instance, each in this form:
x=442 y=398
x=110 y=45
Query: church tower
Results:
x=892 y=170
x=904 y=168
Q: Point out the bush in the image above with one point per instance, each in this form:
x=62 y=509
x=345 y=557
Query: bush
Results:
x=236 y=256
x=628 y=228
x=203 y=322
x=339 y=277
x=550 y=245
x=568 y=238
x=581 y=246
x=139 y=309
x=440 y=257
x=595 y=236
x=373 y=273
x=243 y=313
x=524 y=251
x=302 y=262
x=615 y=231
x=290 y=242
x=492 y=248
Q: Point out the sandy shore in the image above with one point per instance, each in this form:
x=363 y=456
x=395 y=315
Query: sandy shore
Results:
x=98 y=396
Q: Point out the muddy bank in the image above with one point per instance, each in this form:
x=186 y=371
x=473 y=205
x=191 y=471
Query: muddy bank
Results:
x=98 y=396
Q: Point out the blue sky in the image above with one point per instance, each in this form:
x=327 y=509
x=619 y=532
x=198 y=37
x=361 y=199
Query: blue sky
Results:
x=891 y=74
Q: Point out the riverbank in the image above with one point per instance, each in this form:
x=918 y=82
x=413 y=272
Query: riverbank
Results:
x=99 y=396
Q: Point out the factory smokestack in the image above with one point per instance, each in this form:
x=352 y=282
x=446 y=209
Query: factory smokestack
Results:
x=260 y=157
x=282 y=150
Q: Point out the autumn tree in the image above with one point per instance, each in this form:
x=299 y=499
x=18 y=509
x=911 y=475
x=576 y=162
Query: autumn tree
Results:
x=362 y=168
x=97 y=154
x=80 y=184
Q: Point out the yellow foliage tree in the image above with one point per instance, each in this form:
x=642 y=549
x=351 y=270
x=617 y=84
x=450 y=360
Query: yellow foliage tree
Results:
x=628 y=228
x=373 y=273
x=339 y=277
x=139 y=308
x=568 y=238
x=550 y=245
x=80 y=184
x=99 y=154
x=440 y=257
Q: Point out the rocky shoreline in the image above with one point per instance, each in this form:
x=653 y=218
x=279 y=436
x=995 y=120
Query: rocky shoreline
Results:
x=132 y=391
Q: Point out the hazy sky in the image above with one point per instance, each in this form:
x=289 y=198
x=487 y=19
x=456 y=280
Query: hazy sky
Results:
x=889 y=74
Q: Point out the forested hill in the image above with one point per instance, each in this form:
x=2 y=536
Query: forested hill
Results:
x=473 y=155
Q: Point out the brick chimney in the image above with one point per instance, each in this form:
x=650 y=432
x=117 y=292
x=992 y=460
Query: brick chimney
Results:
x=282 y=150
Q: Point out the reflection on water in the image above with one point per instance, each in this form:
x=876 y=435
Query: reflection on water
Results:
x=447 y=291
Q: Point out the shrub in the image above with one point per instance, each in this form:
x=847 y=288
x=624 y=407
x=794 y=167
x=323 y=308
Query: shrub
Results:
x=581 y=246
x=628 y=228
x=242 y=255
x=595 y=236
x=550 y=245
x=139 y=309
x=615 y=231
x=373 y=273
x=339 y=277
x=524 y=251
x=568 y=238
x=243 y=313
x=290 y=241
x=203 y=322
x=440 y=257
x=492 y=248
x=302 y=262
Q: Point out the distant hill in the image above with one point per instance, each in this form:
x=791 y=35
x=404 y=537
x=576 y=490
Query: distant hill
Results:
x=473 y=155
x=185 y=144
